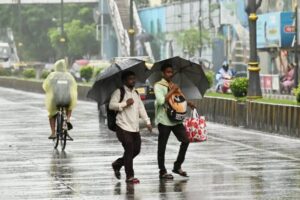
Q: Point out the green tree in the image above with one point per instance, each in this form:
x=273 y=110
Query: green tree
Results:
x=81 y=39
x=37 y=20
x=190 y=39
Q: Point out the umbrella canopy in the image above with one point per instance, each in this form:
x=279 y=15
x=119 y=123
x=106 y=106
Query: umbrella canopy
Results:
x=110 y=79
x=189 y=76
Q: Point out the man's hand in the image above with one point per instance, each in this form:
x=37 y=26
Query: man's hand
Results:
x=227 y=77
x=173 y=87
x=149 y=127
x=129 y=102
x=191 y=105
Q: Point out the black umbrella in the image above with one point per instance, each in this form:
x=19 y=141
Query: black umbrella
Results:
x=189 y=76
x=110 y=79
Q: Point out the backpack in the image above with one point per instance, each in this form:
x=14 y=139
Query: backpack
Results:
x=112 y=114
x=61 y=91
x=176 y=106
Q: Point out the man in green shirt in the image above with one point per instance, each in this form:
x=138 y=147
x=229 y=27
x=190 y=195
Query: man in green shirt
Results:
x=163 y=91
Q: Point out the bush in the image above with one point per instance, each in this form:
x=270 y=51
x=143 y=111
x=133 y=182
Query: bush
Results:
x=97 y=71
x=210 y=75
x=296 y=92
x=5 y=72
x=29 y=73
x=239 y=87
x=86 y=72
x=45 y=73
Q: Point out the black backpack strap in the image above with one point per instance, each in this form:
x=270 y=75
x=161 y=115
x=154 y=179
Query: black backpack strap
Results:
x=122 y=94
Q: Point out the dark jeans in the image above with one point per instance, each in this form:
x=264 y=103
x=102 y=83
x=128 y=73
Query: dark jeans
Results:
x=131 y=143
x=164 y=133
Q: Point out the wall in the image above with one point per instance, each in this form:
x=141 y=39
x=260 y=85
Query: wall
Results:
x=36 y=86
x=175 y=17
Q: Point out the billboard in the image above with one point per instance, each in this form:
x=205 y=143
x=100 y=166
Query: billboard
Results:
x=275 y=30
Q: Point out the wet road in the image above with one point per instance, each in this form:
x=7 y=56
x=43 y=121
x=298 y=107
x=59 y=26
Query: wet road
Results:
x=233 y=164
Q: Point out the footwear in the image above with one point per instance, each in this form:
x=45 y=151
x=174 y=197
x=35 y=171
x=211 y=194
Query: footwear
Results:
x=180 y=172
x=69 y=125
x=132 y=180
x=69 y=137
x=116 y=171
x=166 y=176
x=52 y=136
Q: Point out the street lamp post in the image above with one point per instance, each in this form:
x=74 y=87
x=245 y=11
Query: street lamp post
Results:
x=296 y=44
x=20 y=44
x=254 y=89
x=200 y=28
x=102 y=30
x=131 y=29
x=62 y=39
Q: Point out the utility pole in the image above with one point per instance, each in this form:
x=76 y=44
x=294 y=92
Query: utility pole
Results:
x=100 y=12
x=131 y=29
x=102 y=29
x=20 y=44
x=200 y=28
x=254 y=89
x=62 y=39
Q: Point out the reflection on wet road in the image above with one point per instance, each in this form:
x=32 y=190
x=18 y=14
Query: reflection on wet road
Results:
x=233 y=164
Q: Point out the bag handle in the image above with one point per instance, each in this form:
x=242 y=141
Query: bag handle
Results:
x=194 y=113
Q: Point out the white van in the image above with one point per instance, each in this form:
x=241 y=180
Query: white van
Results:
x=5 y=54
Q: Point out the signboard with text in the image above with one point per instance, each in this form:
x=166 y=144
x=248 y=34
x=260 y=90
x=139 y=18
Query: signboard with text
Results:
x=275 y=30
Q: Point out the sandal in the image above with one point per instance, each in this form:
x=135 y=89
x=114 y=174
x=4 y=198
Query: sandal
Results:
x=69 y=125
x=52 y=137
x=180 y=172
x=132 y=180
x=166 y=176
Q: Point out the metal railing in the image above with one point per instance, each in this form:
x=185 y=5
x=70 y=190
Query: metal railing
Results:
x=139 y=28
x=122 y=33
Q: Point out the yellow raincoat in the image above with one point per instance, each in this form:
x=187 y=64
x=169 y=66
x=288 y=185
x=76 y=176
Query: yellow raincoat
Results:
x=48 y=86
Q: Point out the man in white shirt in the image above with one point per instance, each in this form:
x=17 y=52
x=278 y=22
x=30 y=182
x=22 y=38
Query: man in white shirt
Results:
x=130 y=109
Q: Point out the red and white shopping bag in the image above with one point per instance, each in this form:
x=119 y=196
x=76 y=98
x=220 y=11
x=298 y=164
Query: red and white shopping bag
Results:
x=195 y=127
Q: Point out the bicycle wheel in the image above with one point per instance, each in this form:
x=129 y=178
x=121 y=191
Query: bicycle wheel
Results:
x=63 y=141
x=58 y=129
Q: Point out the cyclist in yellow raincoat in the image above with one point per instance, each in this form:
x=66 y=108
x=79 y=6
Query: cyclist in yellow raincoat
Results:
x=60 y=94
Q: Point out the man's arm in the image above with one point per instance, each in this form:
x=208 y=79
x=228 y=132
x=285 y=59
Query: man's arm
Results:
x=159 y=94
x=46 y=83
x=114 y=103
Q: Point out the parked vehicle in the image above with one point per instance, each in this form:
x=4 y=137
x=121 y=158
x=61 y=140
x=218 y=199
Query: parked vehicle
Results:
x=5 y=54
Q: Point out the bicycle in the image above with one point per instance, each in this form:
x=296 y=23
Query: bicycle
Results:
x=61 y=128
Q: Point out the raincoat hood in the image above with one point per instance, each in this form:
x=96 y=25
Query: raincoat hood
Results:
x=60 y=66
